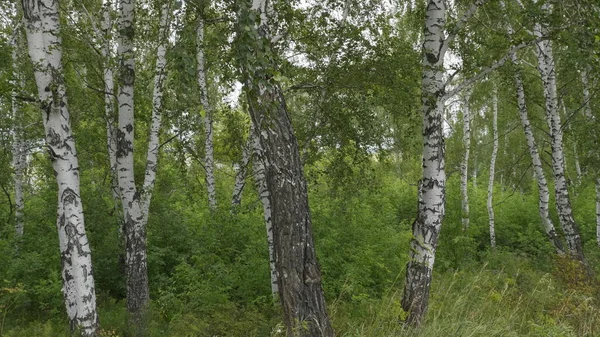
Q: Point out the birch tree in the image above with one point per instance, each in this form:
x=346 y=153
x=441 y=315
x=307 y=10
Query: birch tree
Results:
x=299 y=284
x=19 y=147
x=490 y=196
x=547 y=70
x=42 y=24
x=540 y=176
x=209 y=161
x=464 y=165
x=136 y=203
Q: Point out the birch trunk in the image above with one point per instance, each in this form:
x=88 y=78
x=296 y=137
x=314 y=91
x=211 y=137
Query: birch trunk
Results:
x=426 y=227
x=263 y=193
x=157 y=106
x=299 y=284
x=464 y=166
x=546 y=68
x=19 y=152
x=490 y=197
x=45 y=50
x=209 y=162
x=135 y=230
x=539 y=175
x=109 y=103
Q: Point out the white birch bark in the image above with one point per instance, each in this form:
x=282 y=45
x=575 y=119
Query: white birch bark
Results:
x=258 y=166
x=490 y=196
x=539 y=175
x=135 y=230
x=464 y=166
x=157 y=106
x=546 y=68
x=45 y=50
x=109 y=100
x=208 y=116
x=19 y=152
x=431 y=211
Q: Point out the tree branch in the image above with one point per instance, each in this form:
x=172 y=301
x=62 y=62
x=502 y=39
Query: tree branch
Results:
x=460 y=24
x=468 y=82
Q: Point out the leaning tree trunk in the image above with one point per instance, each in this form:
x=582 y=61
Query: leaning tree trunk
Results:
x=19 y=152
x=490 y=197
x=543 y=191
x=546 y=68
x=426 y=228
x=209 y=161
x=263 y=193
x=464 y=166
x=45 y=49
x=300 y=288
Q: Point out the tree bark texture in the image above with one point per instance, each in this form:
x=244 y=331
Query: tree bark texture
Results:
x=547 y=70
x=135 y=229
x=258 y=165
x=209 y=161
x=464 y=165
x=299 y=281
x=426 y=228
x=19 y=148
x=45 y=50
x=490 y=196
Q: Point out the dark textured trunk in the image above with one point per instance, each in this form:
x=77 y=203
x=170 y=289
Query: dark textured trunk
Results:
x=299 y=275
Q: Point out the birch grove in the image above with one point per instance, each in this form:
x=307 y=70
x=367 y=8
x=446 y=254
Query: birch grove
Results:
x=42 y=24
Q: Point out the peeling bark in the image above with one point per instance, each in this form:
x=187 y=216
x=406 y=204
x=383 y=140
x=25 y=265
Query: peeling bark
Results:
x=209 y=161
x=490 y=197
x=299 y=281
x=45 y=50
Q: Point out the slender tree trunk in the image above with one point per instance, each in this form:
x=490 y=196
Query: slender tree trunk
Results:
x=547 y=71
x=300 y=288
x=45 y=49
x=464 y=166
x=240 y=176
x=19 y=152
x=263 y=193
x=209 y=161
x=490 y=197
x=543 y=191
x=426 y=227
x=157 y=107
x=135 y=230
x=109 y=103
